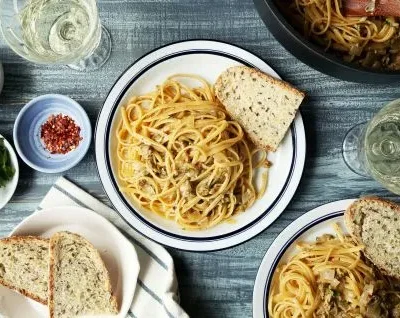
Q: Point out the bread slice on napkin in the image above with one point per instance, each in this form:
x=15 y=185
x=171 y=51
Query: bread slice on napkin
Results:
x=24 y=265
x=79 y=283
x=263 y=105
x=375 y=223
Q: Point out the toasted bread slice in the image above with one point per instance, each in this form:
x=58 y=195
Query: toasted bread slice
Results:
x=375 y=223
x=263 y=105
x=24 y=263
x=79 y=283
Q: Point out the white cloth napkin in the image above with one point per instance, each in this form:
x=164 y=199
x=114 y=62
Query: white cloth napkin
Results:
x=157 y=287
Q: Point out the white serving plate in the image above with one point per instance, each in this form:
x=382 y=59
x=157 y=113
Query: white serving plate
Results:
x=207 y=59
x=306 y=228
x=7 y=192
x=117 y=252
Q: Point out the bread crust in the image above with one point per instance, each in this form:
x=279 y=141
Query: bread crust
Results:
x=53 y=243
x=14 y=239
x=268 y=78
x=349 y=217
x=51 y=275
x=24 y=292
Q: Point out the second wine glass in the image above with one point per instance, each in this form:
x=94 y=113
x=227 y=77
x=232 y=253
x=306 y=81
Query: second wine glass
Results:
x=373 y=148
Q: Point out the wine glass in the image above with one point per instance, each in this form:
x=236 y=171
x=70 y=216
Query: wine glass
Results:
x=56 y=32
x=373 y=148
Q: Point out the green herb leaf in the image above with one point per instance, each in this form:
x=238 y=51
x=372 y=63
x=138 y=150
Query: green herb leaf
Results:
x=7 y=171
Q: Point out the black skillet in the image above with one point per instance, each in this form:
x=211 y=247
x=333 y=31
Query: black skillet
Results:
x=313 y=55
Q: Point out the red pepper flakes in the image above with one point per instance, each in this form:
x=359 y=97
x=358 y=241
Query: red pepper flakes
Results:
x=60 y=134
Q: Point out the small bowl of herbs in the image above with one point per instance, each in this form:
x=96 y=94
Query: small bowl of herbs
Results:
x=9 y=171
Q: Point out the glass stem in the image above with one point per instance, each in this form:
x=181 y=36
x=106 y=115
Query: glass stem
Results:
x=98 y=57
x=388 y=148
x=353 y=150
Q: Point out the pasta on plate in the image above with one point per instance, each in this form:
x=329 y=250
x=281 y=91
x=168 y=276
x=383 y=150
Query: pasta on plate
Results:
x=330 y=278
x=182 y=157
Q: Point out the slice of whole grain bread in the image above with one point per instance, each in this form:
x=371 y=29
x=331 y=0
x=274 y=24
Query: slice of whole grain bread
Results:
x=79 y=283
x=375 y=223
x=263 y=105
x=24 y=263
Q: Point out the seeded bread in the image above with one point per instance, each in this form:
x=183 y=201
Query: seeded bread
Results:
x=24 y=263
x=79 y=283
x=375 y=223
x=263 y=105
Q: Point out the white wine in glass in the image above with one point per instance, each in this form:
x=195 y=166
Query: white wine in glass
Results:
x=373 y=148
x=56 y=32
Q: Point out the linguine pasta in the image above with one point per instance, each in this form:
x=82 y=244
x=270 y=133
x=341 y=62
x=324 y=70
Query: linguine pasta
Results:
x=372 y=41
x=329 y=278
x=182 y=157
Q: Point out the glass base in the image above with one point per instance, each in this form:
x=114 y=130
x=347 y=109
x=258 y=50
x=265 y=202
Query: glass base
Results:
x=352 y=150
x=99 y=56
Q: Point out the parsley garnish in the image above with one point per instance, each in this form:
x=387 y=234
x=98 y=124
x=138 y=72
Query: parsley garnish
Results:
x=6 y=169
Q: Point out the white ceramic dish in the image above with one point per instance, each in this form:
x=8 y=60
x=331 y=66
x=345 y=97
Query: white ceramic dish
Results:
x=207 y=59
x=7 y=192
x=117 y=252
x=306 y=228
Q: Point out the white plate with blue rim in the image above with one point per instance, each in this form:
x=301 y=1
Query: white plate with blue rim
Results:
x=8 y=190
x=306 y=228
x=118 y=254
x=207 y=59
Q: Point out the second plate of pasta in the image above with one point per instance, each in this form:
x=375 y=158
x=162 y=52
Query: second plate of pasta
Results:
x=314 y=268
x=283 y=253
x=165 y=145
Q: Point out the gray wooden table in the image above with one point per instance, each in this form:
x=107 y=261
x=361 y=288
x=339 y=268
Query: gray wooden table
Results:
x=216 y=284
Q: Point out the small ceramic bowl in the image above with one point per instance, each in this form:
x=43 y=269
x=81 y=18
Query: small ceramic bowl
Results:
x=7 y=192
x=27 y=130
